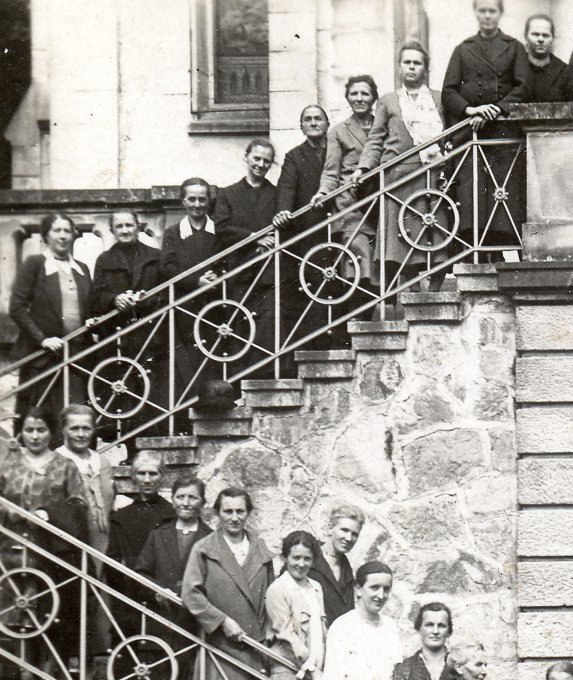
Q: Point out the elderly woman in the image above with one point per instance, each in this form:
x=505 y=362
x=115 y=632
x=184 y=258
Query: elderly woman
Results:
x=49 y=300
x=41 y=481
x=345 y=143
x=467 y=661
x=225 y=583
x=561 y=670
x=406 y=118
x=487 y=72
x=295 y=610
x=434 y=624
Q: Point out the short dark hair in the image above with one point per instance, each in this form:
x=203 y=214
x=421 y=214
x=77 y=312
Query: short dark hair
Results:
x=418 y=47
x=559 y=667
x=373 y=567
x=189 y=480
x=259 y=141
x=41 y=413
x=369 y=80
x=540 y=17
x=48 y=221
x=233 y=492
x=499 y=5
x=76 y=410
x=121 y=211
x=194 y=181
x=314 y=106
x=300 y=538
x=433 y=607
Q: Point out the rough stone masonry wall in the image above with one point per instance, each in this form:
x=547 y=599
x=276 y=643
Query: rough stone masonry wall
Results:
x=423 y=441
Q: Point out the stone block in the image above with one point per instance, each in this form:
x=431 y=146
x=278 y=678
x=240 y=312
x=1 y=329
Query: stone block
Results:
x=503 y=455
x=426 y=307
x=544 y=634
x=531 y=670
x=177 y=456
x=235 y=423
x=380 y=378
x=545 y=482
x=378 y=336
x=545 y=532
x=544 y=327
x=545 y=583
x=442 y=459
x=476 y=278
x=327 y=365
x=272 y=393
x=547 y=429
x=460 y=575
x=177 y=442
x=544 y=379
x=252 y=468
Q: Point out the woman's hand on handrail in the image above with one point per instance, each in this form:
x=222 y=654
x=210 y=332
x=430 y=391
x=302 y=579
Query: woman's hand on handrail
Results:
x=317 y=198
x=356 y=175
x=267 y=241
x=52 y=344
x=208 y=277
x=231 y=629
x=282 y=218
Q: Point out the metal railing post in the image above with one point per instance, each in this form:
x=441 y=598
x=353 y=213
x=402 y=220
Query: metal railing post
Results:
x=475 y=196
x=83 y=619
x=171 y=370
x=66 y=375
x=382 y=243
x=277 y=305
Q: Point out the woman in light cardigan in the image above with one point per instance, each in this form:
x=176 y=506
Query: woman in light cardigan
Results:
x=295 y=610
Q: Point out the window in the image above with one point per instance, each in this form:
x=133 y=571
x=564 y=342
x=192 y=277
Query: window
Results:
x=230 y=66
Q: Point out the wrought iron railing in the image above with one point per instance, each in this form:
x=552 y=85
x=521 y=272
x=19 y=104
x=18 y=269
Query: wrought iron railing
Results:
x=269 y=302
x=38 y=588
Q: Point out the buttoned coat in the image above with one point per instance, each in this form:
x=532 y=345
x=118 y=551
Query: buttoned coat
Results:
x=215 y=586
x=338 y=594
x=414 y=668
x=178 y=255
x=472 y=78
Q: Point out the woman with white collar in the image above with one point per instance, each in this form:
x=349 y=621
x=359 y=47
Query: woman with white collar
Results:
x=49 y=300
x=295 y=609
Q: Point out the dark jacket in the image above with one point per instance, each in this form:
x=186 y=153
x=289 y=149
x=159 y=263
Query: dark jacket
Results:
x=338 y=595
x=160 y=559
x=414 y=668
x=299 y=181
x=36 y=303
x=472 y=78
x=241 y=210
x=551 y=83
x=179 y=255
x=114 y=275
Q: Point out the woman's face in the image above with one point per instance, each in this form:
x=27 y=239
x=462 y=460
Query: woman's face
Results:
x=259 y=161
x=195 y=200
x=360 y=98
x=299 y=562
x=36 y=435
x=233 y=515
x=187 y=502
x=475 y=668
x=60 y=238
x=488 y=14
x=412 y=67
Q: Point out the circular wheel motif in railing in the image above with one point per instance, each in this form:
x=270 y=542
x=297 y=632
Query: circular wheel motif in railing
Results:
x=127 y=380
x=29 y=603
x=329 y=259
x=429 y=221
x=132 y=648
x=8 y=429
x=223 y=319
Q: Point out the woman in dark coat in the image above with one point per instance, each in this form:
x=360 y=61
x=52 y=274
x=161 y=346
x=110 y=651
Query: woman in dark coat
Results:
x=241 y=209
x=49 y=299
x=225 y=584
x=487 y=72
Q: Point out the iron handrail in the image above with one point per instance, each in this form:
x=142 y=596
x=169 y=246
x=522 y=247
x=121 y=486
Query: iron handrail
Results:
x=253 y=238
x=166 y=593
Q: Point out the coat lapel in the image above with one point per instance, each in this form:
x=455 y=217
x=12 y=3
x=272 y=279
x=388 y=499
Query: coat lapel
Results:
x=83 y=286
x=356 y=130
x=143 y=256
x=169 y=538
x=228 y=562
x=310 y=157
x=54 y=293
x=501 y=45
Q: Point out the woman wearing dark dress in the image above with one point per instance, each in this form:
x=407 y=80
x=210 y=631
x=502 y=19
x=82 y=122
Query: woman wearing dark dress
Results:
x=487 y=72
x=49 y=299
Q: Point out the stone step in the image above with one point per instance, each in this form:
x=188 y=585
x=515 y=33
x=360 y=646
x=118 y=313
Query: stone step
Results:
x=273 y=394
x=376 y=336
x=172 y=442
x=234 y=423
x=429 y=307
x=476 y=278
x=326 y=365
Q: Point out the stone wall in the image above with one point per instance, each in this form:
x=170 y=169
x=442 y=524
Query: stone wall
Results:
x=415 y=426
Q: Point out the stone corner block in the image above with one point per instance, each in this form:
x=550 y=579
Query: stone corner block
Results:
x=273 y=393
x=427 y=307
x=234 y=423
x=326 y=365
x=476 y=278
